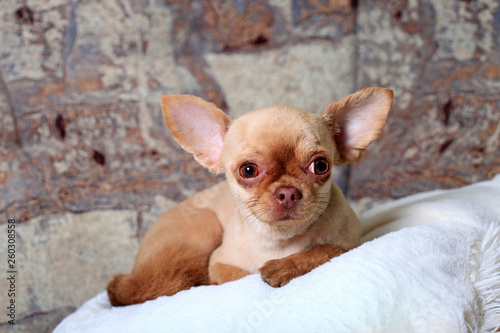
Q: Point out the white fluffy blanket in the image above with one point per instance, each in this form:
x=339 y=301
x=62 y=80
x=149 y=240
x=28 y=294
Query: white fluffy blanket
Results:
x=429 y=263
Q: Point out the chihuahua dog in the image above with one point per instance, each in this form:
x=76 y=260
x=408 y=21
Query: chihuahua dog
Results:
x=278 y=214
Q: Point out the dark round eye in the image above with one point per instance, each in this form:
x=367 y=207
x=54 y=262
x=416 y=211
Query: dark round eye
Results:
x=249 y=170
x=319 y=166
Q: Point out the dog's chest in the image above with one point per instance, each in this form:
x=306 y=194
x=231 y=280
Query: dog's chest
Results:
x=257 y=246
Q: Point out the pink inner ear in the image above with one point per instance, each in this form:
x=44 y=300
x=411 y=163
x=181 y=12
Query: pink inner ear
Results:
x=359 y=119
x=201 y=131
x=361 y=125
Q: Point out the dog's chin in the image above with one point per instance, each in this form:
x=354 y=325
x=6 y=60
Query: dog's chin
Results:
x=275 y=215
x=279 y=217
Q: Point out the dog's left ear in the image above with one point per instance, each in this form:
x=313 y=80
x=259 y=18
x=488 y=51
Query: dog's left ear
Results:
x=198 y=126
x=356 y=120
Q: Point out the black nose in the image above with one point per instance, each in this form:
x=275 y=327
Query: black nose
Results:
x=288 y=197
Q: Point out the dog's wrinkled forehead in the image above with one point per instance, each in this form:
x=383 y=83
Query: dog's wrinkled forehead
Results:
x=280 y=133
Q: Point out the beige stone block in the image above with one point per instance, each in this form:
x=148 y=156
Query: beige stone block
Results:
x=63 y=260
x=308 y=76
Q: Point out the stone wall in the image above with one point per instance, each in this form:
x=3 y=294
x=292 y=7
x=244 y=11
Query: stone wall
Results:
x=442 y=58
x=87 y=164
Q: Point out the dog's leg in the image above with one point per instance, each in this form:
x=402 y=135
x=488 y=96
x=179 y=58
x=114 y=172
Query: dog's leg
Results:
x=173 y=257
x=222 y=273
x=279 y=272
x=177 y=267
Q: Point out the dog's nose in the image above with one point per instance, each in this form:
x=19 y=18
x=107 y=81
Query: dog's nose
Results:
x=288 y=197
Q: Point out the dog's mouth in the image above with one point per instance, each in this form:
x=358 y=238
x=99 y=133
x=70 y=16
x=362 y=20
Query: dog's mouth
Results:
x=273 y=215
x=285 y=216
x=275 y=211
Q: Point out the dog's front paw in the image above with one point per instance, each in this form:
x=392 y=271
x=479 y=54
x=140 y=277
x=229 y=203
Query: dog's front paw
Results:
x=279 y=272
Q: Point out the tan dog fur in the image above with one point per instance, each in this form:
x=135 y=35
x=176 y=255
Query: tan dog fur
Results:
x=278 y=214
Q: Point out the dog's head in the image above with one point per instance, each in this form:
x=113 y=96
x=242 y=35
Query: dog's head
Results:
x=278 y=160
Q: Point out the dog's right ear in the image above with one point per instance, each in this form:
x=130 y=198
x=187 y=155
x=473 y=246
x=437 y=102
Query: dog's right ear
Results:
x=198 y=126
x=356 y=120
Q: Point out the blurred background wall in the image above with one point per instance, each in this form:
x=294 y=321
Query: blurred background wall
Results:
x=87 y=163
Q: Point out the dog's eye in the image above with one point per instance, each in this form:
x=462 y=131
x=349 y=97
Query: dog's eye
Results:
x=249 y=170
x=319 y=166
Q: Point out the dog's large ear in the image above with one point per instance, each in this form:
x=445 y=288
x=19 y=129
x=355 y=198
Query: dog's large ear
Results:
x=198 y=126
x=356 y=120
